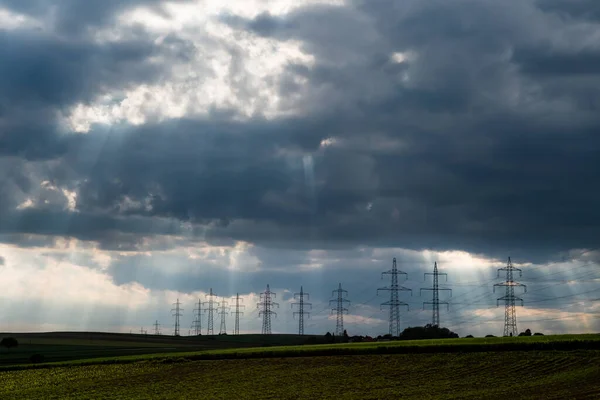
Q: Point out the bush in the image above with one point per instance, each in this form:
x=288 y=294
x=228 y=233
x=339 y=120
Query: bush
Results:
x=36 y=358
x=490 y=336
x=538 y=334
x=469 y=336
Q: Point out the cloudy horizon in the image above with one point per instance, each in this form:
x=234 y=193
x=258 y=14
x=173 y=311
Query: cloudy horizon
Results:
x=151 y=150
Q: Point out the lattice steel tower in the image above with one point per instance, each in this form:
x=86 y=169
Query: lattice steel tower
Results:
x=156 y=328
x=510 y=314
x=223 y=308
x=210 y=310
x=394 y=303
x=267 y=302
x=301 y=304
x=339 y=309
x=197 y=324
x=177 y=313
x=237 y=313
x=435 y=302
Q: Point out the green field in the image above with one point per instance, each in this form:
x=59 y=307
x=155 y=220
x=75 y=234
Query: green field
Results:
x=66 y=346
x=514 y=375
x=254 y=366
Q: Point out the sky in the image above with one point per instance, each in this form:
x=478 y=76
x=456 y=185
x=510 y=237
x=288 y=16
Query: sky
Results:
x=152 y=150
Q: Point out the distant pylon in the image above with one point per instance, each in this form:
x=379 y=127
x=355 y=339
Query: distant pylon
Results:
x=510 y=314
x=394 y=303
x=339 y=309
x=301 y=304
x=211 y=307
x=156 y=328
x=177 y=313
x=237 y=313
x=197 y=324
x=266 y=303
x=436 y=294
x=223 y=308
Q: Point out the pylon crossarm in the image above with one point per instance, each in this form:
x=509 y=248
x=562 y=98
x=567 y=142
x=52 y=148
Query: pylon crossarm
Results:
x=381 y=289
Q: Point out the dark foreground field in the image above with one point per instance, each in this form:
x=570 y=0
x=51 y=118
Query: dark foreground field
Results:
x=481 y=375
x=68 y=346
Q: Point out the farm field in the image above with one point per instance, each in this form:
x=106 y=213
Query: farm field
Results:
x=515 y=375
x=66 y=346
x=73 y=350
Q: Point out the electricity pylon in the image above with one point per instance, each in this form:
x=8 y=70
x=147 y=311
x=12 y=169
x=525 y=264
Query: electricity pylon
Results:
x=267 y=302
x=436 y=294
x=510 y=314
x=197 y=324
x=156 y=328
x=301 y=304
x=223 y=308
x=177 y=314
x=237 y=313
x=339 y=309
x=394 y=303
x=210 y=309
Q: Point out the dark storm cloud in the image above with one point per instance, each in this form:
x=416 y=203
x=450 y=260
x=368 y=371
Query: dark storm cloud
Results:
x=74 y=16
x=488 y=145
x=580 y=9
x=41 y=76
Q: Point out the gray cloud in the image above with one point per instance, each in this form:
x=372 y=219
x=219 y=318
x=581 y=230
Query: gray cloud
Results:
x=483 y=152
x=75 y=17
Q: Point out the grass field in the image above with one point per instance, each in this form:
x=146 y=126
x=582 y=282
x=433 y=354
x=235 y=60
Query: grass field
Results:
x=515 y=375
x=66 y=346
x=253 y=366
x=73 y=350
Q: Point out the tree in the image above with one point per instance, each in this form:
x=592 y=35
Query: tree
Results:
x=345 y=338
x=469 y=336
x=427 y=332
x=526 y=333
x=9 y=342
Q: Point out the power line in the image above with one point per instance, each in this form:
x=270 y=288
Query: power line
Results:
x=301 y=304
x=394 y=303
x=266 y=302
x=436 y=295
x=210 y=309
x=340 y=310
x=177 y=314
x=237 y=313
x=223 y=308
x=510 y=314
x=197 y=324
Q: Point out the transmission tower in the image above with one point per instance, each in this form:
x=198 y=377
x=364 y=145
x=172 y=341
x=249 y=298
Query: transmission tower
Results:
x=266 y=303
x=436 y=294
x=510 y=315
x=223 y=308
x=339 y=309
x=177 y=313
x=211 y=307
x=156 y=328
x=301 y=304
x=197 y=324
x=237 y=313
x=394 y=303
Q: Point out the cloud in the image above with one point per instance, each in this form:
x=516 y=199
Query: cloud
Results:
x=302 y=142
